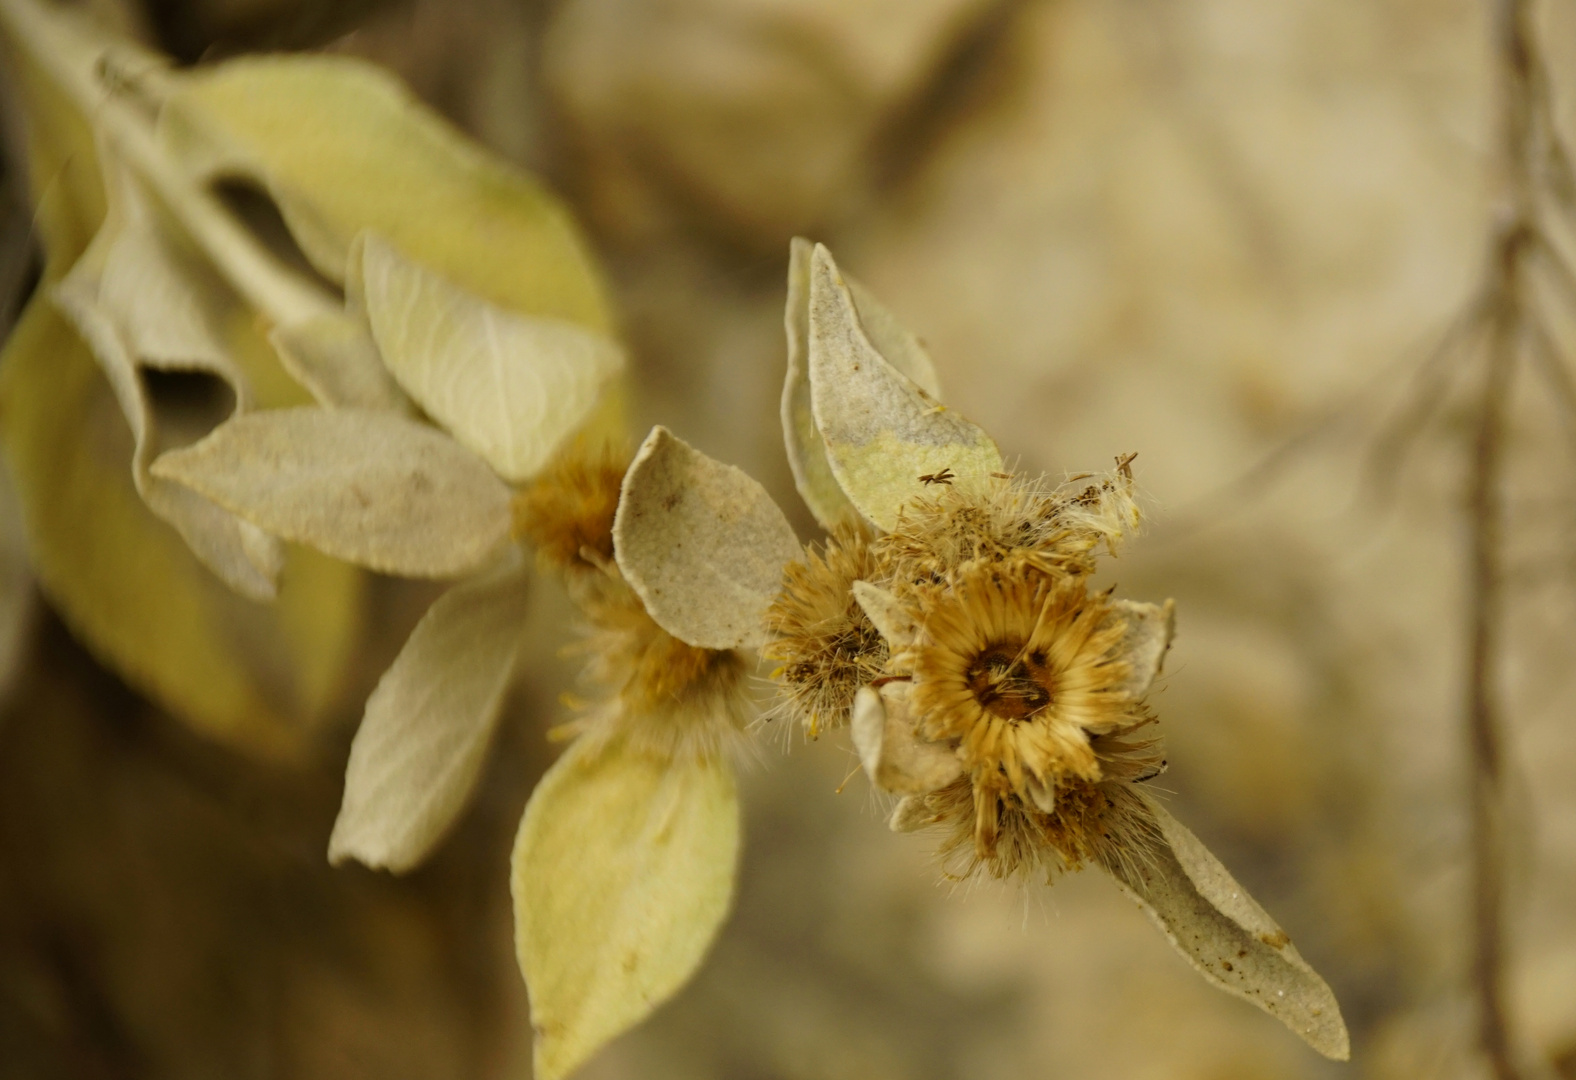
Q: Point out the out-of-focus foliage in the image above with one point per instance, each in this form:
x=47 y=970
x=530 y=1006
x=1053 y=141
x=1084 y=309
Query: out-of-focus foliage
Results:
x=343 y=148
x=253 y=675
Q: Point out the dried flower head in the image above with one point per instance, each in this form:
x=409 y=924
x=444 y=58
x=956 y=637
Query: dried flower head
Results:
x=1025 y=676
x=1060 y=528
x=662 y=695
x=826 y=645
x=1000 y=673
x=569 y=508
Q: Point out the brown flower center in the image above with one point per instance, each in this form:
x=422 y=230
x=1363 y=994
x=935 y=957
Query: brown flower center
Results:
x=1010 y=682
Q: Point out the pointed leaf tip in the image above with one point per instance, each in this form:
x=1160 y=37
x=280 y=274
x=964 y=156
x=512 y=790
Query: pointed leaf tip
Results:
x=701 y=542
x=881 y=432
x=1228 y=938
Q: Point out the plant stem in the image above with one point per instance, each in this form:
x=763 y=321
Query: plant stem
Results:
x=1512 y=246
x=59 y=45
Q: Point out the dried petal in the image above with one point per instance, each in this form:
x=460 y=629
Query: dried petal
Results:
x=420 y=747
x=511 y=387
x=894 y=756
x=373 y=488
x=622 y=874
x=1150 y=628
x=882 y=433
x=888 y=615
x=702 y=543
x=1225 y=935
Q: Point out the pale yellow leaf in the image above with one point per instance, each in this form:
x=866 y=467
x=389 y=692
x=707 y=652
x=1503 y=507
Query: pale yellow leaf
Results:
x=343 y=147
x=701 y=542
x=812 y=472
x=373 y=488
x=421 y=744
x=623 y=872
x=256 y=676
x=1231 y=941
x=511 y=387
x=259 y=677
x=881 y=431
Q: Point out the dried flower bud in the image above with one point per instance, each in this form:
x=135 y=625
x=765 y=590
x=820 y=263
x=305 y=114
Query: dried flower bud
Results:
x=568 y=510
x=828 y=648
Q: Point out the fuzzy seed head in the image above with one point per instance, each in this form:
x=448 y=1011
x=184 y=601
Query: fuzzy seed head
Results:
x=1059 y=529
x=644 y=685
x=569 y=508
x=666 y=697
x=1019 y=668
x=826 y=645
x=1021 y=672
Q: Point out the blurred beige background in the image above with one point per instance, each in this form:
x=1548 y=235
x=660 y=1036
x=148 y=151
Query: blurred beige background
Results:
x=1219 y=233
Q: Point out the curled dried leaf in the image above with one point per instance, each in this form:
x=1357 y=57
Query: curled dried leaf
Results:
x=130 y=587
x=812 y=472
x=701 y=543
x=807 y=458
x=143 y=302
x=1150 y=628
x=894 y=756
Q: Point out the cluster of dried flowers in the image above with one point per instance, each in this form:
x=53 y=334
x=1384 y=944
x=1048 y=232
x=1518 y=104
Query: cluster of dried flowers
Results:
x=989 y=685
x=440 y=423
x=949 y=620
